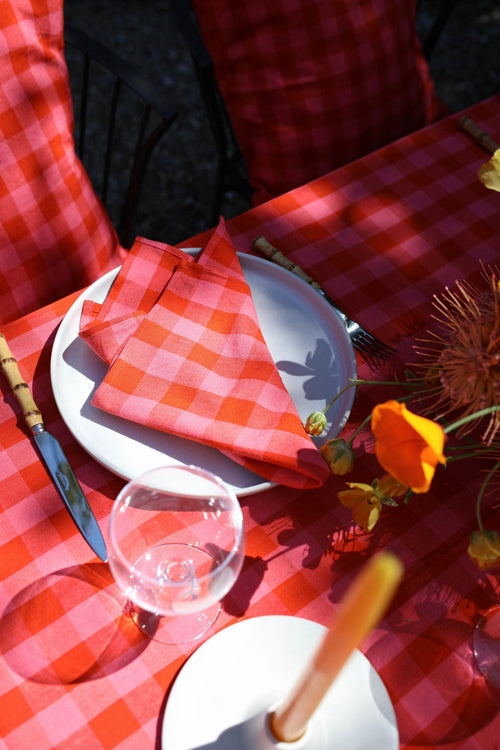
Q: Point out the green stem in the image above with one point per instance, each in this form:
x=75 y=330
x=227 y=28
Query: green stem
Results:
x=472 y=454
x=471 y=418
x=340 y=393
x=481 y=493
x=365 y=421
x=469 y=446
x=358 y=429
x=378 y=382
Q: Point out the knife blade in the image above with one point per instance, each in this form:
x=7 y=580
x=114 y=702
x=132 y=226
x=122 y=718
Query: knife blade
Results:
x=56 y=462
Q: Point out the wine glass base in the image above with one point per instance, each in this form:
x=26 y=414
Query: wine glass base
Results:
x=236 y=678
x=181 y=628
x=486 y=644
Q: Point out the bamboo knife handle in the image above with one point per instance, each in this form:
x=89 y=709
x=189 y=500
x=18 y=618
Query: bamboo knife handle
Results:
x=271 y=253
x=480 y=136
x=21 y=390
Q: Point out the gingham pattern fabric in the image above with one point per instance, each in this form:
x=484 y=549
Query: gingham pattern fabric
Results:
x=55 y=235
x=313 y=84
x=195 y=364
x=382 y=235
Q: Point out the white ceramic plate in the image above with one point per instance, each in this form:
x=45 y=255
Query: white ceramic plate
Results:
x=305 y=336
x=225 y=690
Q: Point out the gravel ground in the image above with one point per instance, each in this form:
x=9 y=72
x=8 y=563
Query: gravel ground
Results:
x=177 y=193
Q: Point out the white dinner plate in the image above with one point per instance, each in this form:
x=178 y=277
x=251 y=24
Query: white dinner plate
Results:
x=305 y=336
x=224 y=693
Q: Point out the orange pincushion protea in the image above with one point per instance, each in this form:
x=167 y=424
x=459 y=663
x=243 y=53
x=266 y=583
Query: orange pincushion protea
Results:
x=463 y=359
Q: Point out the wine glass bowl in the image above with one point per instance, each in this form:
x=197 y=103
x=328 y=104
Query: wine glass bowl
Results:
x=176 y=549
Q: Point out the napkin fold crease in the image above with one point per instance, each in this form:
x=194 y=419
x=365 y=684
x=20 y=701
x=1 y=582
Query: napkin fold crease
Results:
x=186 y=355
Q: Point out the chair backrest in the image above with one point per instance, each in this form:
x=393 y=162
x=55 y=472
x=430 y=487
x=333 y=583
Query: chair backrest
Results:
x=108 y=89
x=230 y=171
x=436 y=26
x=309 y=84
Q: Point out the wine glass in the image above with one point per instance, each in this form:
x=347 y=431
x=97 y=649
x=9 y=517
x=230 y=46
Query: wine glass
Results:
x=486 y=644
x=176 y=548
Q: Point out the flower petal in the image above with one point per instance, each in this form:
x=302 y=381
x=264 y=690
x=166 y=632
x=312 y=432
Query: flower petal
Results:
x=350 y=498
x=390 y=487
x=406 y=445
x=489 y=173
x=366 y=513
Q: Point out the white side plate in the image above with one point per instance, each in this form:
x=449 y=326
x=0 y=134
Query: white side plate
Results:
x=224 y=691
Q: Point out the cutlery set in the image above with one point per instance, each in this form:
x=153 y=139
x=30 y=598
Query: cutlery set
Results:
x=51 y=451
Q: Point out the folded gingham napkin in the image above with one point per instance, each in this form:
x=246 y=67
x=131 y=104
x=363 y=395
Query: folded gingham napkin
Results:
x=186 y=355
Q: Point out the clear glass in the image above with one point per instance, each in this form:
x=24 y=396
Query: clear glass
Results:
x=486 y=642
x=176 y=549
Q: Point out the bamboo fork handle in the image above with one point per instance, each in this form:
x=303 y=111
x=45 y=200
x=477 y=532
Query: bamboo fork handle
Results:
x=21 y=390
x=271 y=253
x=480 y=136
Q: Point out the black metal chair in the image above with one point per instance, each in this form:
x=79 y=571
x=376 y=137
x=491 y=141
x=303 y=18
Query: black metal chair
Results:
x=153 y=113
x=230 y=171
x=437 y=26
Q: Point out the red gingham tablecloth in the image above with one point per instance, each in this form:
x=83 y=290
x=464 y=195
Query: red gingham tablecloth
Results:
x=382 y=235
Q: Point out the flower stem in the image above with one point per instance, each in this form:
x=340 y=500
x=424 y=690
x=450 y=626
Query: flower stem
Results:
x=365 y=421
x=472 y=454
x=358 y=429
x=377 y=382
x=470 y=418
x=340 y=393
x=481 y=493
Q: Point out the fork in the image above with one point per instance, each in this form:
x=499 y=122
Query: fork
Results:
x=362 y=340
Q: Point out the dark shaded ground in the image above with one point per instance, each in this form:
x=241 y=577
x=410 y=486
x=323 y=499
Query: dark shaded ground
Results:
x=176 y=198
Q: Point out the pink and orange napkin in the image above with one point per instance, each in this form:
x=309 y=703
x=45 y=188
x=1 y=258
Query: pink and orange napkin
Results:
x=186 y=355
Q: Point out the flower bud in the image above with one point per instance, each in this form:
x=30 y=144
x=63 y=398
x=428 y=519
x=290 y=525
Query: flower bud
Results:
x=338 y=455
x=316 y=423
x=484 y=549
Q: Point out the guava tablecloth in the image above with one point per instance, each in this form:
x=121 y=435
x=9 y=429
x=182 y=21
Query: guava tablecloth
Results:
x=383 y=235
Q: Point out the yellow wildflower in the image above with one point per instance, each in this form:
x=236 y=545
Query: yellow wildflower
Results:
x=366 y=500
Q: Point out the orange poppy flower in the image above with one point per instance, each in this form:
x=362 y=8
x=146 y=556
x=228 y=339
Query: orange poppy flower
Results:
x=406 y=445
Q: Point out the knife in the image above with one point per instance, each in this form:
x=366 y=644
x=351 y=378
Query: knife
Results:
x=53 y=456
